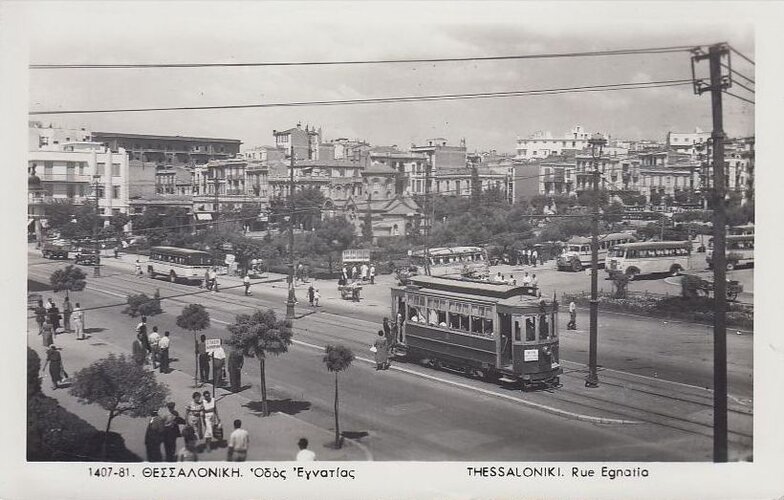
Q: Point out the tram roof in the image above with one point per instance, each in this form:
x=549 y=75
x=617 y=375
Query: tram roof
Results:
x=481 y=289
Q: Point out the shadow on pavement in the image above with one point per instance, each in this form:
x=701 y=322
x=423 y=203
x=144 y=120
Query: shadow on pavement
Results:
x=286 y=406
x=354 y=434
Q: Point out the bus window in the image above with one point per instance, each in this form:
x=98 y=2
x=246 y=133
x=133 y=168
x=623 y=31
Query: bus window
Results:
x=530 y=329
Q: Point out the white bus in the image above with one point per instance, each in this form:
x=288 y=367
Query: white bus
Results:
x=739 y=251
x=453 y=261
x=178 y=263
x=577 y=254
x=654 y=257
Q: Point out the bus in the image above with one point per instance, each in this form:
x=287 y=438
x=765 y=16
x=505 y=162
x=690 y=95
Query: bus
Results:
x=650 y=257
x=453 y=261
x=178 y=263
x=747 y=229
x=739 y=251
x=577 y=253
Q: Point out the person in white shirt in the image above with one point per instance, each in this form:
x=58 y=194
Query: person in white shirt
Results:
x=154 y=338
x=246 y=282
x=572 y=316
x=304 y=454
x=364 y=271
x=526 y=279
x=373 y=274
x=77 y=320
x=163 y=352
x=239 y=440
x=316 y=297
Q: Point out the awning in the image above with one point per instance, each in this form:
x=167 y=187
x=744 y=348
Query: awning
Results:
x=203 y=216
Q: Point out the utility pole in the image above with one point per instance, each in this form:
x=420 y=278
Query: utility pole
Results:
x=592 y=379
x=717 y=85
x=217 y=203
x=96 y=243
x=428 y=218
x=291 y=301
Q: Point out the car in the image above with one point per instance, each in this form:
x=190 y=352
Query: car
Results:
x=85 y=259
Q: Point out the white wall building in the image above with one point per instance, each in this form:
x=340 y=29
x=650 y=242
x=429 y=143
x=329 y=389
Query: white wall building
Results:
x=543 y=144
x=687 y=143
x=40 y=137
x=71 y=171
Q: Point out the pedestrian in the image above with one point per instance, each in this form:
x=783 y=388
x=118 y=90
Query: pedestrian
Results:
x=238 y=443
x=214 y=280
x=316 y=297
x=301 y=272
x=116 y=252
x=211 y=420
x=47 y=336
x=246 y=283
x=142 y=326
x=67 y=309
x=344 y=275
x=380 y=348
x=304 y=454
x=526 y=279
x=534 y=281
x=163 y=352
x=218 y=362
x=188 y=452
x=387 y=330
x=55 y=362
x=311 y=294
x=171 y=431
x=525 y=257
x=355 y=292
x=153 y=437
x=138 y=266
x=354 y=272
x=207 y=283
x=541 y=258
x=373 y=274
x=54 y=316
x=204 y=358
x=138 y=351
x=153 y=339
x=572 y=316
x=364 y=270
x=77 y=320
x=194 y=415
x=498 y=278
x=40 y=315
x=534 y=257
x=236 y=360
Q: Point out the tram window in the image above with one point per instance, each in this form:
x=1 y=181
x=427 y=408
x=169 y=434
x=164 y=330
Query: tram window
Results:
x=530 y=329
x=476 y=324
x=454 y=321
x=544 y=327
x=413 y=314
x=432 y=317
x=488 y=327
x=553 y=326
x=517 y=333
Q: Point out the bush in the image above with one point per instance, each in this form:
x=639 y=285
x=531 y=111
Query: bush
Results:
x=142 y=305
x=690 y=286
x=33 y=373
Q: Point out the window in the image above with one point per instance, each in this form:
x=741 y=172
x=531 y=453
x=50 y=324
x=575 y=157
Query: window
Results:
x=100 y=167
x=530 y=329
x=115 y=192
x=81 y=167
x=48 y=169
x=115 y=170
x=81 y=190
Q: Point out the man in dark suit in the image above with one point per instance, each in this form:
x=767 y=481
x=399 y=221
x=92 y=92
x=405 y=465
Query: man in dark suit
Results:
x=236 y=359
x=153 y=437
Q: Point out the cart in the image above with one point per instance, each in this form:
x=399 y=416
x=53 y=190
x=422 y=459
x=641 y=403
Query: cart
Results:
x=351 y=291
x=733 y=288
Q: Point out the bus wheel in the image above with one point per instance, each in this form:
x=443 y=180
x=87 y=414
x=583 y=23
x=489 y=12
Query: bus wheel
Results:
x=577 y=266
x=172 y=277
x=675 y=270
x=632 y=273
x=730 y=266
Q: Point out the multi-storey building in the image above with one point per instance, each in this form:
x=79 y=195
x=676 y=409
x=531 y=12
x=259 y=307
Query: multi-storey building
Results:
x=687 y=142
x=303 y=143
x=263 y=153
x=170 y=150
x=409 y=166
x=40 y=137
x=441 y=157
x=543 y=144
x=222 y=186
x=77 y=171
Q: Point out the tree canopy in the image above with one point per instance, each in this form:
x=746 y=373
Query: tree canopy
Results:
x=260 y=333
x=69 y=278
x=194 y=318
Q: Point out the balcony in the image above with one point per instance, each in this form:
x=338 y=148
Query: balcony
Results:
x=66 y=178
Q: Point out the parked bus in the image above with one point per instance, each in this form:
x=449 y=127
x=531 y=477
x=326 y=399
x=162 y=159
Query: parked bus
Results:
x=651 y=257
x=453 y=261
x=739 y=251
x=178 y=263
x=577 y=254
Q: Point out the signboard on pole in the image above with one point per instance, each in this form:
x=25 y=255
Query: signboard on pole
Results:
x=212 y=345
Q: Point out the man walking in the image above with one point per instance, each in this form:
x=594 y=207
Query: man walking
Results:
x=236 y=359
x=40 y=316
x=304 y=454
x=238 y=443
x=67 y=309
x=311 y=295
x=171 y=430
x=534 y=257
x=204 y=358
x=153 y=437
x=218 y=362
x=77 y=320
x=572 y=325
x=163 y=350
x=138 y=351
x=153 y=339
x=246 y=283
x=373 y=274
x=213 y=280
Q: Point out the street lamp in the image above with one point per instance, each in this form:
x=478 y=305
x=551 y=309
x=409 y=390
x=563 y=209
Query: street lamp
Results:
x=596 y=142
x=97 y=248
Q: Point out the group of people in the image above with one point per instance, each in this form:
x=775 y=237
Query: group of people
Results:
x=382 y=347
x=362 y=273
x=220 y=363
x=528 y=280
x=314 y=296
x=530 y=257
x=150 y=347
x=48 y=316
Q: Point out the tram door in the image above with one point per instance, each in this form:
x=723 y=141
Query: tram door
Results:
x=505 y=349
x=519 y=332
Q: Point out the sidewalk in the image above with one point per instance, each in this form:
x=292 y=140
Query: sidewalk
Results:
x=272 y=438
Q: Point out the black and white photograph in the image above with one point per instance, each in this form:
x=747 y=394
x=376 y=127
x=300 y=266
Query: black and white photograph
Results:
x=455 y=250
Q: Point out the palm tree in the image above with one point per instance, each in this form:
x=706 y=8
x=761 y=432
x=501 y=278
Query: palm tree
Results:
x=257 y=335
x=337 y=358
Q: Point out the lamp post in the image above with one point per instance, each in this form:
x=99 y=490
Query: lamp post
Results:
x=97 y=248
x=291 y=301
x=597 y=143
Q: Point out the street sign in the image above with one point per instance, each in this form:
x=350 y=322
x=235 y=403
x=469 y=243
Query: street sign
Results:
x=212 y=344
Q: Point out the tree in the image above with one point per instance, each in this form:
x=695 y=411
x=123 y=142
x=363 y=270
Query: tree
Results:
x=142 y=305
x=620 y=284
x=69 y=278
x=613 y=214
x=337 y=358
x=259 y=334
x=194 y=318
x=120 y=386
x=367 y=225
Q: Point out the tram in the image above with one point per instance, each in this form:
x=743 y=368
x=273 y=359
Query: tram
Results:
x=488 y=330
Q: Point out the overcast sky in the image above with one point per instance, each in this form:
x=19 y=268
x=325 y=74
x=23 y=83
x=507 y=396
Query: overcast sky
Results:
x=179 y=32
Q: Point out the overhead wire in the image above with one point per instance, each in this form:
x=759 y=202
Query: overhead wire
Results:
x=744 y=87
x=736 y=72
x=552 y=55
x=738 y=97
x=742 y=55
x=386 y=100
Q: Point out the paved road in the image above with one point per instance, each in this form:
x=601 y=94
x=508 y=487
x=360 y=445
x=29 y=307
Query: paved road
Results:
x=398 y=415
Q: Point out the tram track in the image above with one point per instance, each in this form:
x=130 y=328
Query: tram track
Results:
x=364 y=328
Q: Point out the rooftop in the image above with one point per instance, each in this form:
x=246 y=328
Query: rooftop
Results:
x=123 y=135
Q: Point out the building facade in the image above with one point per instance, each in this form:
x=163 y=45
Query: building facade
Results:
x=170 y=150
x=302 y=143
x=543 y=144
x=687 y=142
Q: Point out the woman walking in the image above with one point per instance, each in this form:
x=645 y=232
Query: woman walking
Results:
x=40 y=316
x=381 y=351
x=48 y=334
x=194 y=415
x=55 y=362
x=210 y=418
